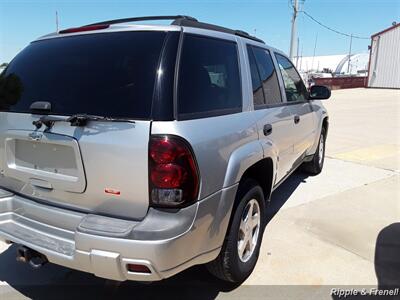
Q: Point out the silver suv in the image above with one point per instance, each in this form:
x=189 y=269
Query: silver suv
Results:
x=136 y=151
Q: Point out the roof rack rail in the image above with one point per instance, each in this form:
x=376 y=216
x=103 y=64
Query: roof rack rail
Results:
x=181 y=20
x=246 y=35
x=196 y=24
x=147 y=18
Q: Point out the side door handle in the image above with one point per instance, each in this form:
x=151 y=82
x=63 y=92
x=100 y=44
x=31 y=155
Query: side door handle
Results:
x=296 y=119
x=267 y=129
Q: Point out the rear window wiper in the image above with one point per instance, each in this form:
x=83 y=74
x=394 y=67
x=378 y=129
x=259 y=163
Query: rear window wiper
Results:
x=79 y=120
x=82 y=119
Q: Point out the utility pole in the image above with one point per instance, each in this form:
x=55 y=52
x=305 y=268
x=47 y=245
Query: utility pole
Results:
x=293 y=37
x=348 y=66
x=56 y=21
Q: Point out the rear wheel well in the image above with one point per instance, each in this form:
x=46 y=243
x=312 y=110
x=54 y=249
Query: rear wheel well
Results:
x=262 y=172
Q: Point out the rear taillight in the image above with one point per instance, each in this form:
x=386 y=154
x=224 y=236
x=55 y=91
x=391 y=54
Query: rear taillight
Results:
x=84 y=28
x=173 y=173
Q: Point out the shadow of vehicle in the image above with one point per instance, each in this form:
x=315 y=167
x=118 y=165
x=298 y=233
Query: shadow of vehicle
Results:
x=387 y=264
x=283 y=193
x=387 y=257
x=56 y=282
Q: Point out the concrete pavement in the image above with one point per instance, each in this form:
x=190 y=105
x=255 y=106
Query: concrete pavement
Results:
x=322 y=232
x=365 y=127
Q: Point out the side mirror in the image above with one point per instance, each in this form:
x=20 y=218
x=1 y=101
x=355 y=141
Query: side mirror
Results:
x=319 y=92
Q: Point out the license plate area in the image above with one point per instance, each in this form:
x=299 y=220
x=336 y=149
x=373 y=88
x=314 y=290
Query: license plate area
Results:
x=48 y=160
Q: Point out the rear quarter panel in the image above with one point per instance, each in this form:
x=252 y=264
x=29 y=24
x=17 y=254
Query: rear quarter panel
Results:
x=216 y=141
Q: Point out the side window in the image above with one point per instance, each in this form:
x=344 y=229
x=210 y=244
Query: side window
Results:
x=209 y=77
x=258 y=94
x=294 y=86
x=267 y=75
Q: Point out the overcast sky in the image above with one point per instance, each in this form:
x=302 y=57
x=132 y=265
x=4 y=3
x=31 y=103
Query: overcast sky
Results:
x=23 y=21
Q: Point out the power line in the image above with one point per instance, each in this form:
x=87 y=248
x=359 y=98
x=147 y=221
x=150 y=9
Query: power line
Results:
x=334 y=30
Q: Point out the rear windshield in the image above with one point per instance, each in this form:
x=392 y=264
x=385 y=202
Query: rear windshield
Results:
x=107 y=74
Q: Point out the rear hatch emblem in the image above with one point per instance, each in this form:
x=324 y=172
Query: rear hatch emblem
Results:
x=36 y=136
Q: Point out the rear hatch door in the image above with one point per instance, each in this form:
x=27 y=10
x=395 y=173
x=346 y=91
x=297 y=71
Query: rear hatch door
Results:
x=100 y=167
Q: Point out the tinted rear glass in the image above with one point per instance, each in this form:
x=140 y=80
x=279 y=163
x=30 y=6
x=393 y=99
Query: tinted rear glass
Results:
x=209 y=78
x=108 y=74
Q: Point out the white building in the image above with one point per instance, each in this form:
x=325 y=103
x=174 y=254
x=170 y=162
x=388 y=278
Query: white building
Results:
x=337 y=64
x=384 y=68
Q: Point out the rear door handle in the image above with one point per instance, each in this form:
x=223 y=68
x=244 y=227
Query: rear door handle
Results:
x=296 y=119
x=267 y=129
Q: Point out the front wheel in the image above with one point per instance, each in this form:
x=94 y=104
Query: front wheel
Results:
x=239 y=253
x=315 y=166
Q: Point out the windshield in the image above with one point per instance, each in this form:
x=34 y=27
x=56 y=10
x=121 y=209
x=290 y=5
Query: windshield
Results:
x=107 y=74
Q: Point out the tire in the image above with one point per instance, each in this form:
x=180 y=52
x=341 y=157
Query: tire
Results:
x=314 y=167
x=230 y=265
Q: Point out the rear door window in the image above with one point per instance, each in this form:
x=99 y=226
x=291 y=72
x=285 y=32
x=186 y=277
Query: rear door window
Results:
x=258 y=94
x=108 y=74
x=294 y=86
x=267 y=75
x=209 y=78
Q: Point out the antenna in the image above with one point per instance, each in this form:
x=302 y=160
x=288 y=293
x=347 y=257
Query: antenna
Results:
x=297 y=55
x=301 y=57
x=315 y=47
x=348 y=66
x=56 y=21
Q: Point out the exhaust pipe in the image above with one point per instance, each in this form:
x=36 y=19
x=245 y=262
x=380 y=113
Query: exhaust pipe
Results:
x=34 y=258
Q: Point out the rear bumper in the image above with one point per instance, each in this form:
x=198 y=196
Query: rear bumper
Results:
x=165 y=242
